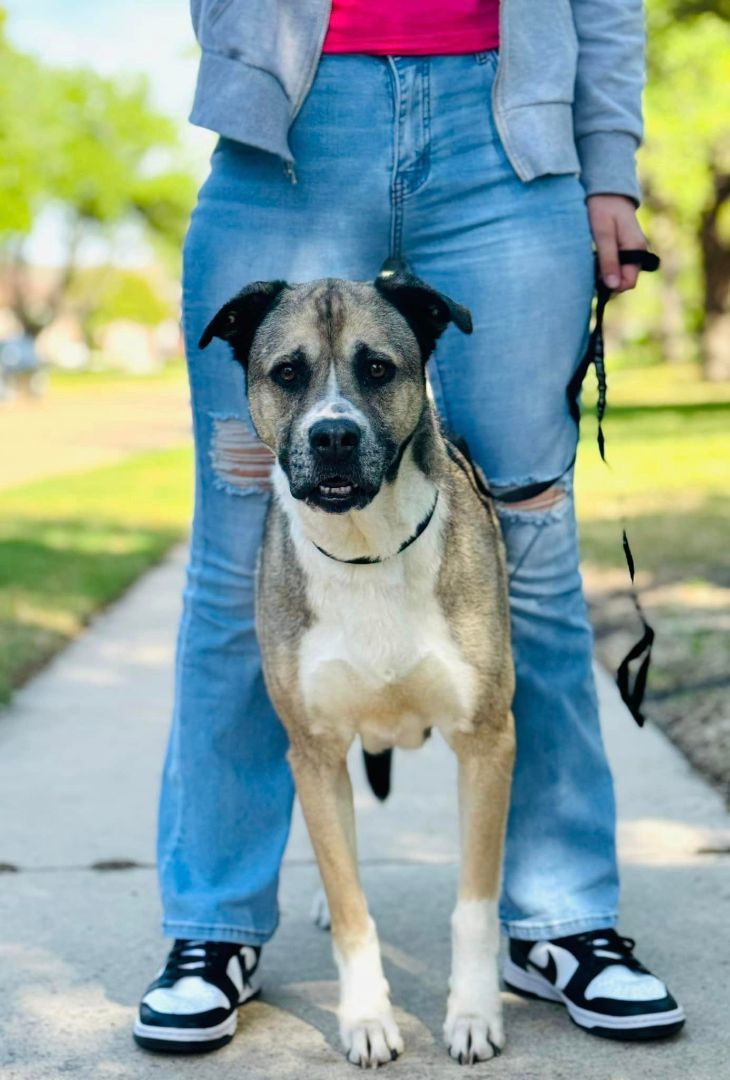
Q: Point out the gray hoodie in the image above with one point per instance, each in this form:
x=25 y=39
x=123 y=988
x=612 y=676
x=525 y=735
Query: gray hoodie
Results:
x=567 y=96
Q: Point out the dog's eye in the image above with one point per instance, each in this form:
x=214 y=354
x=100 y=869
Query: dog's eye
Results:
x=289 y=374
x=378 y=372
x=374 y=369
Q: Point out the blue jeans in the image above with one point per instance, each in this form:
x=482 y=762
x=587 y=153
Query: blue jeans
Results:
x=393 y=156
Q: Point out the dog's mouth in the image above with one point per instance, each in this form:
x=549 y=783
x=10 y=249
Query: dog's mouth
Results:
x=338 y=494
x=336 y=489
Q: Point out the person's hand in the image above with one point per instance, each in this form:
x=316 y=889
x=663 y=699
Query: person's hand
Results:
x=614 y=227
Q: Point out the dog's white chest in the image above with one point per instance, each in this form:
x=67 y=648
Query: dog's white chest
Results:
x=380 y=659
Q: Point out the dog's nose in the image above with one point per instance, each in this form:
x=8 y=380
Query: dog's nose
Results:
x=334 y=440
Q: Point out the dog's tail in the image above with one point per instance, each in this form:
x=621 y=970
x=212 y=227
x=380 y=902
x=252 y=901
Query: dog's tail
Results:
x=377 y=769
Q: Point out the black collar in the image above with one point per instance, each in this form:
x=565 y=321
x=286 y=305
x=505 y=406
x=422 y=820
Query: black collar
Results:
x=369 y=560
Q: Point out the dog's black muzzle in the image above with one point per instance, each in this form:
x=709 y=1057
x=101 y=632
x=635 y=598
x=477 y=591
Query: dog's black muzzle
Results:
x=335 y=483
x=329 y=474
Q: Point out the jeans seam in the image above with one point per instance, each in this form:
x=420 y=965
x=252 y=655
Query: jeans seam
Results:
x=599 y=921
x=178 y=827
x=198 y=548
x=245 y=935
x=396 y=194
x=196 y=551
x=424 y=169
x=397 y=225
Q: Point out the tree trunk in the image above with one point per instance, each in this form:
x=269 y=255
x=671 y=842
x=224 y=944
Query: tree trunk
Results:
x=35 y=314
x=677 y=345
x=716 y=268
x=716 y=347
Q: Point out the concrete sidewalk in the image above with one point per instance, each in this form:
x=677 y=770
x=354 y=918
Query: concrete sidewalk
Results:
x=80 y=753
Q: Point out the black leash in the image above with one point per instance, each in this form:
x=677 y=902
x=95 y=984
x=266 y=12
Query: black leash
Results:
x=632 y=692
x=595 y=353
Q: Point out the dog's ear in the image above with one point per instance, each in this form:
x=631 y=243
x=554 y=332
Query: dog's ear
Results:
x=239 y=319
x=426 y=311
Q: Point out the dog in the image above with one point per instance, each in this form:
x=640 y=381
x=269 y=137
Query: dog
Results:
x=381 y=608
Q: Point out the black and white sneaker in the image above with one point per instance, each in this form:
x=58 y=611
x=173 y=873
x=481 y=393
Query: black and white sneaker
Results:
x=191 y=1007
x=599 y=980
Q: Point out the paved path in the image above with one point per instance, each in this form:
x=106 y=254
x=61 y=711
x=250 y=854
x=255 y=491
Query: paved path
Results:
x=80 y=753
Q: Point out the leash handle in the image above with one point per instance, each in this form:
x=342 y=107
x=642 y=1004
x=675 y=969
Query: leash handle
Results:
x=642 y=257
x=595 y=351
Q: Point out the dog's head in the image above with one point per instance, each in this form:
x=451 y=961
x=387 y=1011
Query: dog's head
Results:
x=336 y=375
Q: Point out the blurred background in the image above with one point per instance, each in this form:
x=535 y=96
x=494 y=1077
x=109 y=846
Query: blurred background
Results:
x=98 y=172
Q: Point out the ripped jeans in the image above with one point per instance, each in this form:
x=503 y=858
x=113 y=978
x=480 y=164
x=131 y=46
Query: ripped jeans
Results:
x=393 y=156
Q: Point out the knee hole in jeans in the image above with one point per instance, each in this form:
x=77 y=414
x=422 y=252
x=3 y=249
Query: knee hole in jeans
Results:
x=546 y=500
x=548 y=507
x=240 y=460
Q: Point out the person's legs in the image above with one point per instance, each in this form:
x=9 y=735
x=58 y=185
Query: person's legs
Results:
x=227 y=791
x=519 y=255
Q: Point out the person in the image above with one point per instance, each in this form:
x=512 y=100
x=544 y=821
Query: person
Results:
x=486 y=144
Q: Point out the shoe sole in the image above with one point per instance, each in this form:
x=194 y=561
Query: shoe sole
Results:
x=189 y=1040
x=628 y=1028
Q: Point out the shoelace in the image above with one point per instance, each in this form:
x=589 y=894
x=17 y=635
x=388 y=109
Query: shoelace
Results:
x=611 y=947
x=197 y=958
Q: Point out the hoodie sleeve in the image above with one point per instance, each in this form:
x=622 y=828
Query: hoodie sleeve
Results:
x=609 y=83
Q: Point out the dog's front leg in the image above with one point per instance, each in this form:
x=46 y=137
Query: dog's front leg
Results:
x=368 y=1030
x=473 y=1029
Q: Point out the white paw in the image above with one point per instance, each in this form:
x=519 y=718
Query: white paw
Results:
x=321 y=911
x=368 y=1030
x=373 y=1041
x=474 y=1030
x=471 y=1037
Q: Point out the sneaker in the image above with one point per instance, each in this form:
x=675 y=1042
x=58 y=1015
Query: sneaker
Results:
x=191 y=1007
x=601 y=983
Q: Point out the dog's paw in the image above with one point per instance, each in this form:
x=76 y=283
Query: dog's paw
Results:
x=321 y=911
x=472 y=1037
x=373 y=1041
x=473 y=1029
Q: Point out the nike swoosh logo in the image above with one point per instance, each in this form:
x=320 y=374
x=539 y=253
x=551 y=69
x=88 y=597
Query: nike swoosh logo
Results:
x=549 y=971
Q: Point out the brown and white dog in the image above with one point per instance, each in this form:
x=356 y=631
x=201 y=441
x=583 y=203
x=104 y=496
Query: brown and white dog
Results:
x=381 y=608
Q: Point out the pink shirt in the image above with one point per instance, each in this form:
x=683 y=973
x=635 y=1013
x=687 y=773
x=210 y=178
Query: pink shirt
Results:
x=412 y=27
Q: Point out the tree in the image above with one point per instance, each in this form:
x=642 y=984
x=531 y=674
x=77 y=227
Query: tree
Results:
x=92 y=149
x=685 y=167
x=102 y=294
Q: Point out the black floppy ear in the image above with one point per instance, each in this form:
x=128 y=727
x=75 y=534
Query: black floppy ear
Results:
x=239 y=319
x=426 y=311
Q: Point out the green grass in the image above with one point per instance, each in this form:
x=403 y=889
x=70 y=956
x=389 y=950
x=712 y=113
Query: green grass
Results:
x=72 y=544
x=668 y=472
x=63 y=381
